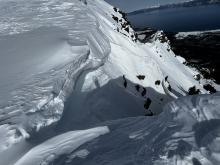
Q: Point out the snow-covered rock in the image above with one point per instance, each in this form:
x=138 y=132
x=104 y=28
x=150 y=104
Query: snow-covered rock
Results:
x=182 y=35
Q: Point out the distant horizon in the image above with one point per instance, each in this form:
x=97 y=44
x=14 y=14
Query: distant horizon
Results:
x=131 y=5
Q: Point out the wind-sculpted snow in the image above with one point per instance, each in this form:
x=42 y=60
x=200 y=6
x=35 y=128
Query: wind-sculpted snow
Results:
x=48 y=151
x=186 y=132
x=71 y=64
x=40 y=67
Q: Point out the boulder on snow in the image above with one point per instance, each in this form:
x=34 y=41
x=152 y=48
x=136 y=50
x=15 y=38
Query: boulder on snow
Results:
x=209 y=88
x=144 y=92
x=157 y=82
x=115 y=18
x=147 y=103
x=137 y=87
x=193 y=91
x=125 y=82
x=141 y=77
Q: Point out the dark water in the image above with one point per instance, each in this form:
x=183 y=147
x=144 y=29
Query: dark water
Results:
x=179 y=19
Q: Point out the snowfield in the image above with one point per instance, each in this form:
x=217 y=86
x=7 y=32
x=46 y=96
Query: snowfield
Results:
x=65 y=143
x=73 y=70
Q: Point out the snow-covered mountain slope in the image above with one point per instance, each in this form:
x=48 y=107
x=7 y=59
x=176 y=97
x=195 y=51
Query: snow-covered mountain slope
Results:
x=70 y=65
x=65 y=143
x=186 y=132
x=182 y=35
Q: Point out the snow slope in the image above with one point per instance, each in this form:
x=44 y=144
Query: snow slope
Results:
x=185 y=133
x=72 y=65
x=46 y=152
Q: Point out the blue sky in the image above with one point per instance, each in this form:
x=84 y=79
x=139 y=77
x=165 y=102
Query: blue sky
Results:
x=131 y=5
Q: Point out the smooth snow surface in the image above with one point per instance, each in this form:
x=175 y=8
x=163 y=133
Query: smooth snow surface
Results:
x=75 y=65
x=48 y=151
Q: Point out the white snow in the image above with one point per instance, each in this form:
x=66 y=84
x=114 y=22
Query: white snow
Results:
x=51 y=149
x=182 y=35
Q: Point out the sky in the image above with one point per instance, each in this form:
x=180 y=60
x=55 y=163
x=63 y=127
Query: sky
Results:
x=132 y=5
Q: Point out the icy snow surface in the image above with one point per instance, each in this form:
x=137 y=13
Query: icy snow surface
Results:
x=72 y=70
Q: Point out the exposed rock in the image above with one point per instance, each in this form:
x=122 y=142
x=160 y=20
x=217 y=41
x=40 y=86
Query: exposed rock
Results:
x=137 y=87
x=115 y=9
x=127 y=29
x=157 y=82
x=141 y=77
x=147 y=103
x=144 y=92
x=197 y=77
x=200 y=51
x=193 y=91
x=125 y=82
x=115 y=18
x=209 y=88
